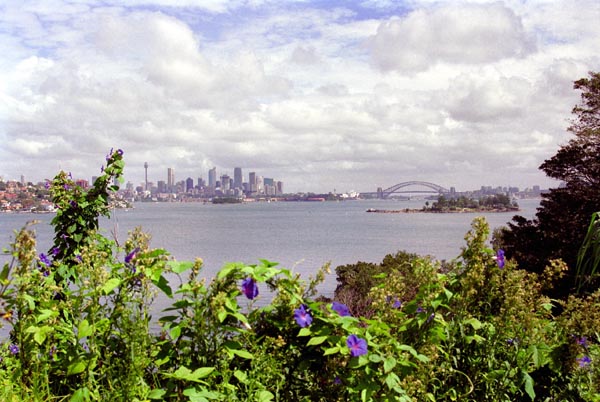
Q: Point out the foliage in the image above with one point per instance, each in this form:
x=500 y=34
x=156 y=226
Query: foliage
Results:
x=498 y=201
x=413 y=329
x=559 y=227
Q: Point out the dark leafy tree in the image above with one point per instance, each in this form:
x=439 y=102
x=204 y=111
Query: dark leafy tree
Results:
x=561 y=222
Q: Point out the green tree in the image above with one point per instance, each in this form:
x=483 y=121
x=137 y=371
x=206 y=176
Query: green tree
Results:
x=560 y=225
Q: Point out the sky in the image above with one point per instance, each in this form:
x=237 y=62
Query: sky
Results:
x=322 y=95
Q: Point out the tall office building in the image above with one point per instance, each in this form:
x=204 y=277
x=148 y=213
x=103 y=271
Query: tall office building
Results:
x=252 y=182
x=225 y=182
x=237 y=177
x=170 y=179
x=146 y=177
x=212 y=178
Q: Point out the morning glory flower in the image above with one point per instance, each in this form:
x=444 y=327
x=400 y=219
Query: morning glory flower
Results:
x=302 y=316
x=249 y=288
x=397 y=303
x=584 y=361
x=340 y=308
x=500 y=258
x=582 y=341
x=45 y=260
x=13 y=348
x=131 y=255
x=358 y=346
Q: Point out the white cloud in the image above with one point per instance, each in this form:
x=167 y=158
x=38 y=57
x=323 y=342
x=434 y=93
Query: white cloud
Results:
x=456 y=33
x=446 y=92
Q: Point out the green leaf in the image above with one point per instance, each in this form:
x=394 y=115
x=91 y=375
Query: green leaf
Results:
x=392 y=380
x=317 y=340
x=81 y=395
x=156 y=394
x=45 y=314
x=4 y=273
x=76 y=367
x=179 y=267
x=265 y=396
x=84 y=329
x=184 y=373
x=304 y=332
x=240 y=375
x=389 y=364
x=175 y=332
x=331 y=351
x=528 y=385
x=163 y=285
x=474 y=322
x=244 y=354
x=110 y=285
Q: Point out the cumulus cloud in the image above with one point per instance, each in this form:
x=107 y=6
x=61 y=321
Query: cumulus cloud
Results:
x=456 y=33
x=443 y=91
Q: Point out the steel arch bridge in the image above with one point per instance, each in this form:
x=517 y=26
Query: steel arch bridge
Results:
x=397 y=188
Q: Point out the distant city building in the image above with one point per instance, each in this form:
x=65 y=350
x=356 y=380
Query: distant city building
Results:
x=252 y=183
x=237 y=177
x=82 y=183
x=225 y=183
x=212 y=178
x=146 y=176
x=189 y=184
x=162 y=186
x=170 y=179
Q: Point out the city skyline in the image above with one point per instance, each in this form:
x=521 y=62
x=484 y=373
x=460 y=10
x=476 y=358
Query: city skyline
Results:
x=255 y=184
x=329 y=95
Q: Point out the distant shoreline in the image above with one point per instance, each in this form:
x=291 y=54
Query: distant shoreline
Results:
x=431 y=211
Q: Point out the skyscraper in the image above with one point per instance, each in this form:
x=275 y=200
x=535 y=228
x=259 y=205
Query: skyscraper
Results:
x=252 y=182
x=237 y=177
x=170 y=179
x=212 y=178
x=146 y=177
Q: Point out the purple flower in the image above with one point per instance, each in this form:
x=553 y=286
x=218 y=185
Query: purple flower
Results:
x=358 y=346
x=302 y=316
x=340 y=308
x=55 y=251
x=102 y=169
x=582 y=341
x=13 y=348
x=47 y=184
x=419 y=310
x=44 y=259
x=249 y=288
x=500 y=258
x=120 y=152
x=584 y=361
x=131 y=255
x=337 y=380
x=397 y=303
x=430 y=318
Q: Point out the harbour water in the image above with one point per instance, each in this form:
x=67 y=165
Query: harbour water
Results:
x=301 y=236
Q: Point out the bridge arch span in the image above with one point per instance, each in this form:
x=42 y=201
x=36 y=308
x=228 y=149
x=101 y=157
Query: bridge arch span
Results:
x=396 y=188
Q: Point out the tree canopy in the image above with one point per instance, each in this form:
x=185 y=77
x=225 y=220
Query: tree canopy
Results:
x=560 y=225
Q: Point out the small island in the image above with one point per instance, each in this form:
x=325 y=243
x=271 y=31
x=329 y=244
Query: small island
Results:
x=462 y=204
